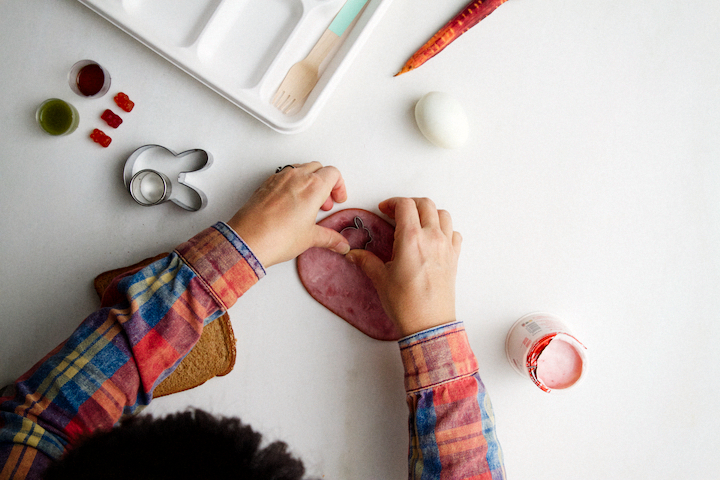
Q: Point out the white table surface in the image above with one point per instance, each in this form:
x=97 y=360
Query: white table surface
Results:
x=589 y=188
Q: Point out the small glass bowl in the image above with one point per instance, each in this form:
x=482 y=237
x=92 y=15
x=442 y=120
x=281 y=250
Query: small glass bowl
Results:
x=57 y=117
x=89 y=79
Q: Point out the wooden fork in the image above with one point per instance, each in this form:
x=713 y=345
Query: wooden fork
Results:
x=303 y=76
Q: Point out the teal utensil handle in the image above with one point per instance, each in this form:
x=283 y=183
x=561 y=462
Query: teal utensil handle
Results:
x=346 y=16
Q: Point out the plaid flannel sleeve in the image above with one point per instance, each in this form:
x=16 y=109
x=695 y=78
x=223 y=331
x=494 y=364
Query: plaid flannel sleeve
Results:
x=112 y=363
x=452 y=426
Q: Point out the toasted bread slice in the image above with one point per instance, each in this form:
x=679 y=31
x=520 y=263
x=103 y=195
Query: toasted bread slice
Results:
x=213 y=355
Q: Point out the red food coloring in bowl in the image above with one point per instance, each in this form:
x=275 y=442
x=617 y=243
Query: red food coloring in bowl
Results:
x=90 y=79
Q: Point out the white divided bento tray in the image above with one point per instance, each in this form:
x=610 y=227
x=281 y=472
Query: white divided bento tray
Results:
x=243 y=49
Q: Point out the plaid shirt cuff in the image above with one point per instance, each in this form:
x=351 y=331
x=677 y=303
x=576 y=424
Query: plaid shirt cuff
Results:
x=436 y=356
x=226 y=265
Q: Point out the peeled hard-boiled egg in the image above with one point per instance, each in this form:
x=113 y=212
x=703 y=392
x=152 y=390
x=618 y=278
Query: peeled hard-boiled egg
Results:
x=441 y=118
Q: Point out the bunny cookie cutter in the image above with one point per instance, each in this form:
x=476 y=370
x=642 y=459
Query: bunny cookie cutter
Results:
x=359 y=227
x=154 y=174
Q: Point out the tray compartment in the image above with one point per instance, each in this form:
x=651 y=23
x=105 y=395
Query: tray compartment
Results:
x=244 y=36
x=177 y=22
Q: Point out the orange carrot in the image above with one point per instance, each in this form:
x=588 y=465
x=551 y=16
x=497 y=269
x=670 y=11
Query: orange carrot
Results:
x=464 y=21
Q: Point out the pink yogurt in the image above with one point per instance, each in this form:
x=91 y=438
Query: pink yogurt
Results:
x=540 y=346
x=559 y=365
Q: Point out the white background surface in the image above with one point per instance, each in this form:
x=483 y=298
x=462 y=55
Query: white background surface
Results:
x=589 y=188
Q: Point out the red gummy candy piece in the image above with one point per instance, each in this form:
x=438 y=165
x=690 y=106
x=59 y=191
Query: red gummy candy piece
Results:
x=113 y=120
x=124 y=102
x=98 y=136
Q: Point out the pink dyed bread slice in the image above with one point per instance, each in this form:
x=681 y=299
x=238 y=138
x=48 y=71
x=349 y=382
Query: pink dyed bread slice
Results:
x=341 y=286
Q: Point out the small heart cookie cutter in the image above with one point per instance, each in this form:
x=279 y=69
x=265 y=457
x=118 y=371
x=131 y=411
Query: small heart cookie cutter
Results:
x=154 y=174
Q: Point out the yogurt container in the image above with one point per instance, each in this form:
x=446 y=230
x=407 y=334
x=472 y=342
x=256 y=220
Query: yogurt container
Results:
x=541 y=347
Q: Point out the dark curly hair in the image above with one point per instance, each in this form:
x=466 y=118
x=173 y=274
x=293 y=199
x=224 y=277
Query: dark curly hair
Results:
x=192 y=444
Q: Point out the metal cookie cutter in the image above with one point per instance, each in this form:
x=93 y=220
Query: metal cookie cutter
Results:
x=154 y=174
x=357 y=234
